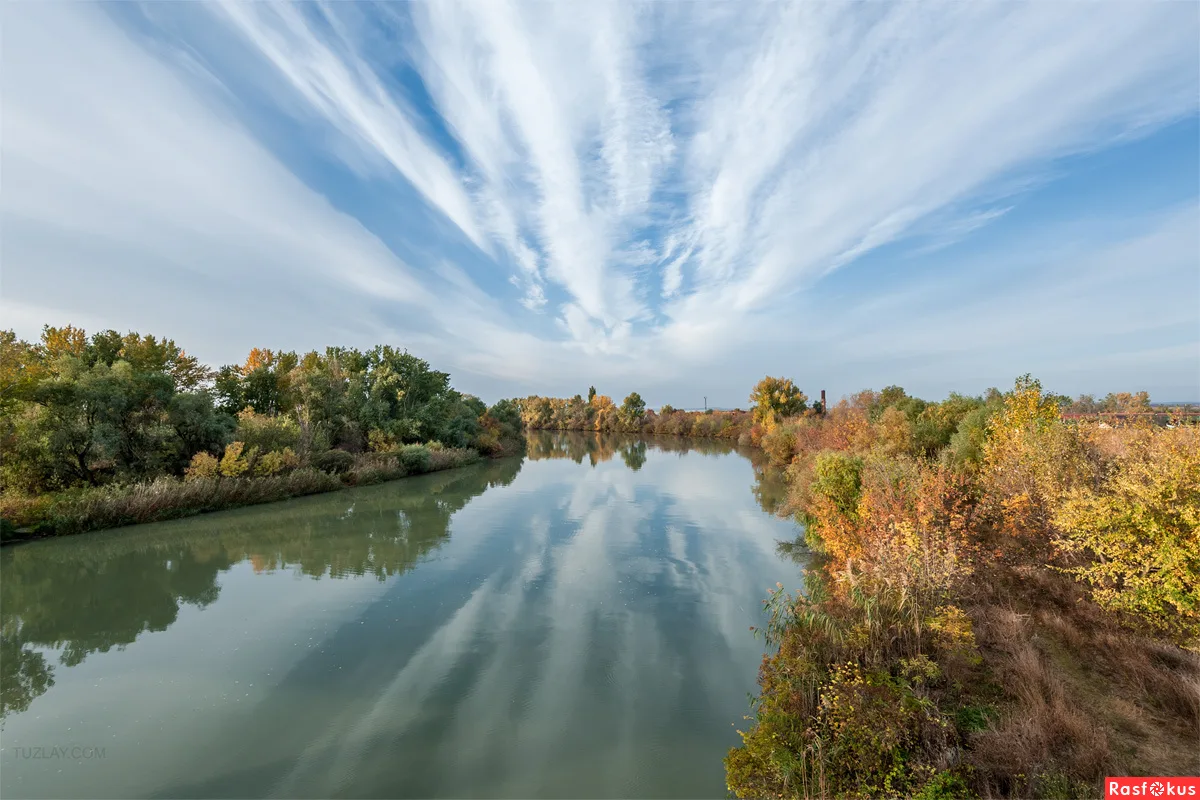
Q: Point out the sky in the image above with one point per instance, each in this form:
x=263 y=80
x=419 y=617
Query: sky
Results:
x=672 y=198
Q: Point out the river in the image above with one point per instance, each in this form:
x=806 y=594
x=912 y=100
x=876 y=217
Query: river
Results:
x=575 y=623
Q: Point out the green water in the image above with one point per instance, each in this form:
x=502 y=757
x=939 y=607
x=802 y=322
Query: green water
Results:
x=573 y=624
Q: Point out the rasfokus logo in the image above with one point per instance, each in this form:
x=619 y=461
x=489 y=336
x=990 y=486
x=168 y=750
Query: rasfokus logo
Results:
x=1159 y=786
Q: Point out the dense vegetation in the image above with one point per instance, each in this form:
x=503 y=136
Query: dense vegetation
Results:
x=1008 y=602
x=112 y=429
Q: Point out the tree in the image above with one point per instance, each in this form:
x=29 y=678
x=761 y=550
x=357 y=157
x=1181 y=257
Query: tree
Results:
x=1141 y=532
x=66 y=341
x=1029 y=458
x=21 y=367
x=606 y=412
x=591 y=394
x=776 y=398
x=633 y=411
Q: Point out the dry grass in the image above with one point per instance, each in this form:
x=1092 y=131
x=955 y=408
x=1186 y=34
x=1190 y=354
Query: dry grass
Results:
x=1083 y=697
x=89 y=509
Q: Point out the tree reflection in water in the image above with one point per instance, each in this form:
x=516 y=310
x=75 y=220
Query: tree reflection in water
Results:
x=98 y=591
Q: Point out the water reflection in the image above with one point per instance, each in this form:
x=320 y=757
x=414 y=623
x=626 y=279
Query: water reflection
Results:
x=93 y=592
x=582 y=631
x=770 y=487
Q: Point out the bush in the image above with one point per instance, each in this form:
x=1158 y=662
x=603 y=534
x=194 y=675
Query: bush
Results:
x=780 y=444
x=335 y=462
x=267 y=433
x=1140 y=531
x=232 y=463
x=380 y=441
x=23 y=510
x=204 y=465
x=415 y=459
x=276 y=463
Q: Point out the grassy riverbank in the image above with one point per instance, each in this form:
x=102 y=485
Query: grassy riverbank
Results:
x=96 y=508
x=112 y=429
x=1008 y=604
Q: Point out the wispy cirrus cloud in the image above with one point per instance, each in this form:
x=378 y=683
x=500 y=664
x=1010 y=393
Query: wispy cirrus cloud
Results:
x=655 y=187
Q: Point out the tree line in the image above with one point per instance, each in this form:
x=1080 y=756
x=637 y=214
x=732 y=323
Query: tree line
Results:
x=89 y=412
x=772 y=398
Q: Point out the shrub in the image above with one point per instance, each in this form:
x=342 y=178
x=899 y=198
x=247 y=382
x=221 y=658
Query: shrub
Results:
x=415 y=458
x=267 y=433
x=780 y=444
x=23 y=510
x=276 y=463
x=1140 y=531
x=894 y=433
x=204 y=465
x=380 y=441
x=335 y=462
x=837 y=479
x=232 y=463
x=112 y=506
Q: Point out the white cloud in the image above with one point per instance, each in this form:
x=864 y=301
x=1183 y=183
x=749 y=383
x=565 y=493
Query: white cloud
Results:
x=840 y=135
x=128 y=201
x=341 y=87
x=670 y=184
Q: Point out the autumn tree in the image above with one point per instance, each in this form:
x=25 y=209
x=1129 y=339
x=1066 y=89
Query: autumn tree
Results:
x=776 y=398
x=1030 y=458
x=1140 y=531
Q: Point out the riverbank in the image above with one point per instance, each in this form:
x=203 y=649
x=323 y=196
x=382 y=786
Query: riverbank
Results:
x=111 y=429
x=97 y=508
x=1009 y=604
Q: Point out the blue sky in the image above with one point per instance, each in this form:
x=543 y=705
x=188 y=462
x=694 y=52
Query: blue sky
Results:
x=669 y=198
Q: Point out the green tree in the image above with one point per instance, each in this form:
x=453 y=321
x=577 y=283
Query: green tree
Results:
x=633 y=411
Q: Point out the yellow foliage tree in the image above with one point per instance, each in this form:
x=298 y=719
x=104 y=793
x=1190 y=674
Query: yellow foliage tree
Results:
x=1029 y=459
x=605 y=412
x=1141 y=532
x=232 y=463
x=65 y=341
x=258 y=357
x=776 y=398
x=204 y=465
x=895 y=433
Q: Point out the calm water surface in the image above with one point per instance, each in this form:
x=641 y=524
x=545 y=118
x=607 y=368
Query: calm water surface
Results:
x=574 y=624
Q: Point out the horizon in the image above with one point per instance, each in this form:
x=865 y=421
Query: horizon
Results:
x=673 y=199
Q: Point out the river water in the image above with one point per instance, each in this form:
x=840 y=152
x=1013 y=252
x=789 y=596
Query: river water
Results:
x=571 y=624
